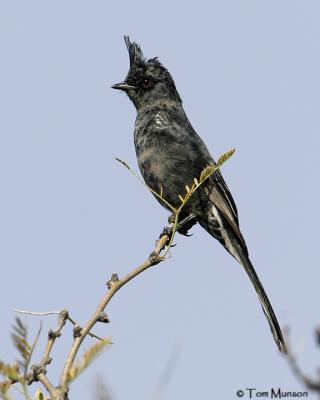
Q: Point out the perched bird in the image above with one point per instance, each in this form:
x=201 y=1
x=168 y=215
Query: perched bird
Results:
x=171 y=154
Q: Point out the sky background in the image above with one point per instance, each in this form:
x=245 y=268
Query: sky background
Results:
x=70 y=215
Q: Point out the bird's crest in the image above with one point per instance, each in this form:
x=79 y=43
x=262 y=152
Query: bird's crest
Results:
x=135 y=52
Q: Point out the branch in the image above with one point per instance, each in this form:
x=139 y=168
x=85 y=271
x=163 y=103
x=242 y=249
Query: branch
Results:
x=159 y=254
x=114 y=285
x=310 y=383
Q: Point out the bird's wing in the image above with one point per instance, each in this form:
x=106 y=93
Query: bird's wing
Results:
x=218 y=193
x=222 y=197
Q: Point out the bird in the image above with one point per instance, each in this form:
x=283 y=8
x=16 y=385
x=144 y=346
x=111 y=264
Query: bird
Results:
x=171 y=154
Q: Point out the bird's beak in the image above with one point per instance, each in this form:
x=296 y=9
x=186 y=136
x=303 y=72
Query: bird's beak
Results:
x=123 y=86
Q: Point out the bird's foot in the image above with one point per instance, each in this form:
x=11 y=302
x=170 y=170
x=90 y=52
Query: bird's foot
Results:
x=182 y=227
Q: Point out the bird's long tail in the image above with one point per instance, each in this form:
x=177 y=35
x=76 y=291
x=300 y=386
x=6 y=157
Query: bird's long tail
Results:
x=265 y=303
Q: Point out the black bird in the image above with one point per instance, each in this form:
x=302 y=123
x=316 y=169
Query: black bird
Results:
x=171 y=154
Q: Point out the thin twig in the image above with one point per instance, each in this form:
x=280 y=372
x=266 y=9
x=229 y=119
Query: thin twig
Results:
x=148 y=187
x=34 y=346
x=310 y=383
x=168 y=371
x=90 y=333
x=41 y=314
x=36 y=313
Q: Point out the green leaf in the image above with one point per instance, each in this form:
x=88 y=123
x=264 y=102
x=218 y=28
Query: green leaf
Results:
x=87 y=358
x=19 y=337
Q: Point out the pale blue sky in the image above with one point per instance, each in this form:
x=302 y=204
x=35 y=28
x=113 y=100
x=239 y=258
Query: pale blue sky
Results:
x=248 y=73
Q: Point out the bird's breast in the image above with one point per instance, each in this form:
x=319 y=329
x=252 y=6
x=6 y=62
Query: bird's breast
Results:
x=168 y=155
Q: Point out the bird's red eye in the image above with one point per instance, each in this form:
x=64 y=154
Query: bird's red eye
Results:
x=147 y=83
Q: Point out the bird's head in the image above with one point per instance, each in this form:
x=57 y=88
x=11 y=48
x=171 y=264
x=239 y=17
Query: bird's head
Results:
x=147 y=80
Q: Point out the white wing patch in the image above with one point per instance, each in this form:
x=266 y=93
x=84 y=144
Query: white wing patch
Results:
x=161 y=120
x=224 y=234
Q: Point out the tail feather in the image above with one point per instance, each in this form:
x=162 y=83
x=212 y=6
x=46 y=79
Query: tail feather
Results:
x=220 y=225
x=265 y=303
